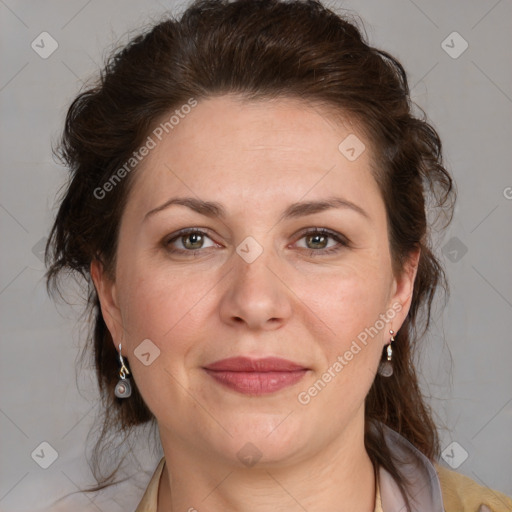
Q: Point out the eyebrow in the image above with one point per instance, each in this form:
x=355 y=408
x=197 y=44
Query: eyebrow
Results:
x=213 y=209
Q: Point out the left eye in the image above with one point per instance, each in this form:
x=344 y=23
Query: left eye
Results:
x=317 y=241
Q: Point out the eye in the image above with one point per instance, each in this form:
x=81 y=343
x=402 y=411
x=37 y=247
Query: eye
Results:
x=318 y=241
x=188 y=241
x=323 y=241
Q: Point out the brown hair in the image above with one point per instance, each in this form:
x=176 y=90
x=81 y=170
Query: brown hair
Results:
x=258 y=49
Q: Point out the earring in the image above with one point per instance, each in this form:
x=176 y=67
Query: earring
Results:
x=386 y=367
x=123 y=387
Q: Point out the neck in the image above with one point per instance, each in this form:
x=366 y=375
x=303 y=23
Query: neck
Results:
x=338 y=479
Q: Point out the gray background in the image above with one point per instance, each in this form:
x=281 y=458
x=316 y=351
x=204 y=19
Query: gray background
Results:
x=466 y=359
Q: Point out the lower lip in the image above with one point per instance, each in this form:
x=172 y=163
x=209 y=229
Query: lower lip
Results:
x=257 y=383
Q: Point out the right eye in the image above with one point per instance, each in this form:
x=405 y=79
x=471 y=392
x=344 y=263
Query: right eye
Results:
x=188 y=241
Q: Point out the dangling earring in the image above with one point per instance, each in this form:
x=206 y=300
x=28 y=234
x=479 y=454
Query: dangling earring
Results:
x=386 y=367
x=123 y=387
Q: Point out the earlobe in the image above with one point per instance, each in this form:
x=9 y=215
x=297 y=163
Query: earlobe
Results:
x=106 y=290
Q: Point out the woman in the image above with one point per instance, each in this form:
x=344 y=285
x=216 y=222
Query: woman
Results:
x=248 y=205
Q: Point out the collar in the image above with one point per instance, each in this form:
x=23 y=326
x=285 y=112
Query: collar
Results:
x=423 y=488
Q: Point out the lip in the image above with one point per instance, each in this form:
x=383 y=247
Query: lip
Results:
x=256 y=376
x=246 y=364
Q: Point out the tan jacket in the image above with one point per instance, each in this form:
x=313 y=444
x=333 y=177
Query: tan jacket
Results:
x=433 y=488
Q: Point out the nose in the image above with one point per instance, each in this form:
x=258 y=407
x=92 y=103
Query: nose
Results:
x=256 y=295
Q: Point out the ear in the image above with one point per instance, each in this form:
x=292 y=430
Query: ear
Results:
x=106 y=290
x=402 y=289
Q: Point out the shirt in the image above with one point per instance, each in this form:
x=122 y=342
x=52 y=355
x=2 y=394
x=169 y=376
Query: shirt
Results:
x=433 y=488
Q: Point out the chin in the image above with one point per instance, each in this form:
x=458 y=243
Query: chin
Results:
x=265 y=440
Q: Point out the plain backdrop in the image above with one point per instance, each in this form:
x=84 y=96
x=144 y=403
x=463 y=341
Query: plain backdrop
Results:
x=465 y=360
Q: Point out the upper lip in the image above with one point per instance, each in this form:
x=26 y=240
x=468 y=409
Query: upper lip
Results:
x=246 y=364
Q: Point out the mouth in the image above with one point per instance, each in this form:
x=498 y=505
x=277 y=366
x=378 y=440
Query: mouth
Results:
x=256 y=376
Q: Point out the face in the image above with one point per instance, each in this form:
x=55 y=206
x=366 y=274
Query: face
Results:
x=265 y=272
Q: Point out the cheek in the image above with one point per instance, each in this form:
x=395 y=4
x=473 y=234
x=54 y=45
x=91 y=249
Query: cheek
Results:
x=352 y=348
x=348 y=301
x=167 y=310
x=158 y=304
x=350 y=304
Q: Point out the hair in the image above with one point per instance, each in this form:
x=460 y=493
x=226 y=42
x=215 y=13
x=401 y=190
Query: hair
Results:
x=255 y=49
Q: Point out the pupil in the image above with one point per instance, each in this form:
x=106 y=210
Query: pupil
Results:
x=195 y=238
x=318 y=239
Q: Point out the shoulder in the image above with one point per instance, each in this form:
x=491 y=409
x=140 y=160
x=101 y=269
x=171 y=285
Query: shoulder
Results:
x=461 y=493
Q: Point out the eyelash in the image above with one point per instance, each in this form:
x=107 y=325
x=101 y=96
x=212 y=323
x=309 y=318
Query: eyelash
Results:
x=342 y=241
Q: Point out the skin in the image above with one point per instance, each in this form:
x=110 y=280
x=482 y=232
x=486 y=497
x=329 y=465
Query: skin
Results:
x=256 y=158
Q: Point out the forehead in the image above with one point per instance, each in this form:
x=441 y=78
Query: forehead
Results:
x=257 y=153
